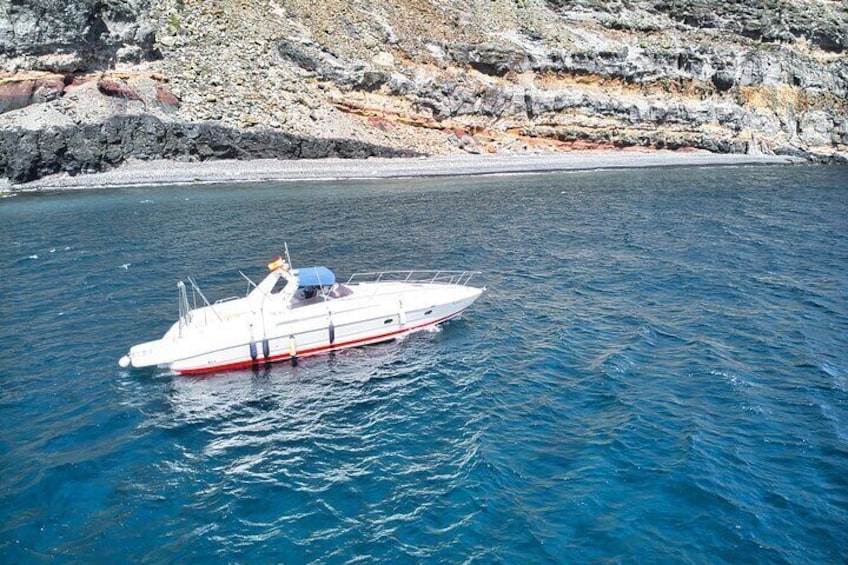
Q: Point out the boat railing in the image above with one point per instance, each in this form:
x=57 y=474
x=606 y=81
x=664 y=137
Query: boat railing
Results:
x=460 y=278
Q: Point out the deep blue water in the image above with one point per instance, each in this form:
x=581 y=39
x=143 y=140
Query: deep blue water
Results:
x=658 y=373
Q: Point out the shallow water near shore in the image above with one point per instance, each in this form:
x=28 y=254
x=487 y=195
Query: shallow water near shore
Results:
x=657 y=373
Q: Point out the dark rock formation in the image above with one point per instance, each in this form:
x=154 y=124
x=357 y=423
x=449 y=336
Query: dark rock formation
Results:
x=286 y=79
x=78 y=35
x=28 y=155
x=721 y=66
x=775 y=21
x=492 y=58
x=766 y=20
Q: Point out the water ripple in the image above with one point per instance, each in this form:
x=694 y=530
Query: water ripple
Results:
x=657 y=374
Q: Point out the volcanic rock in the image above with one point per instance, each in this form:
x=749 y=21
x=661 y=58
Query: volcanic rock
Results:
x=204 y=80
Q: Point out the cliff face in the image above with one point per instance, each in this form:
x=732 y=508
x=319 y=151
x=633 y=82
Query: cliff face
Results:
x=77 y=35
x=414 y=76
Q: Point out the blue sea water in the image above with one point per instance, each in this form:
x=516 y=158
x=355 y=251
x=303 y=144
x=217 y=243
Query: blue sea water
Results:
x=658 y=373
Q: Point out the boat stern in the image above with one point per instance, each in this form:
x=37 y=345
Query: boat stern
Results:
x=148 y=354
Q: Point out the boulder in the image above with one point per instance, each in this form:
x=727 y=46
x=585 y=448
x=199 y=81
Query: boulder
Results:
x=166 y=98
x=16 y=93
x=116 y=89
x=496 y=58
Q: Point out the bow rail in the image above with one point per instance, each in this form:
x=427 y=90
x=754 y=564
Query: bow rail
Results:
x=460 y=278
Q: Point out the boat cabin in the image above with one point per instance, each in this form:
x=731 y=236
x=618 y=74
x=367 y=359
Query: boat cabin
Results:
x=314 y=284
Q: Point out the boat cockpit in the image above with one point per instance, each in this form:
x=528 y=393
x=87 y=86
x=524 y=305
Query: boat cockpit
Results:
x=314 y=284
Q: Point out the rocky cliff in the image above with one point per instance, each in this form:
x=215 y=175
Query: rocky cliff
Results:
x=87 y=84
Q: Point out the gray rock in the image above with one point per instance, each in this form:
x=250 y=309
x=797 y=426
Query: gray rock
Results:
x=674 y=87
x=492 y=58
x=93 y=31
x=815 y=127
x=28 y=155
x=307 y=56
x=775 y=21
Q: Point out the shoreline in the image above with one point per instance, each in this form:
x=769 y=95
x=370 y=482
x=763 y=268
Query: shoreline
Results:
x=167 y=172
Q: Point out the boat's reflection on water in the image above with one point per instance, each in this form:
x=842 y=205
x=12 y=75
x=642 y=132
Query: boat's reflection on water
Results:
x=314 y=386
x=311 y=426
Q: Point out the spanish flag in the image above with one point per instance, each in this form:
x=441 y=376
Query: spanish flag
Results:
x=277 y=263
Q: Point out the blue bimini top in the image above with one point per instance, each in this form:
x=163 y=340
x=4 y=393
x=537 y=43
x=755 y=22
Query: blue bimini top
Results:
x=314 y=276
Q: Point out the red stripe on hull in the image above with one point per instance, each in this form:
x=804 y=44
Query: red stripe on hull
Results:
x=247 y=364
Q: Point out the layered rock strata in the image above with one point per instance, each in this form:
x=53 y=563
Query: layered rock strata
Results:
x=361 y=78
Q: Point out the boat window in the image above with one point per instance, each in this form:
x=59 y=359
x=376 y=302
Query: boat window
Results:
x=389 y=321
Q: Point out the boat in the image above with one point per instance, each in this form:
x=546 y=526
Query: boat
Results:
x=299 y=312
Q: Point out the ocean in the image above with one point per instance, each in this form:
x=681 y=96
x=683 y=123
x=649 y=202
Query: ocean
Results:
x=657 y=373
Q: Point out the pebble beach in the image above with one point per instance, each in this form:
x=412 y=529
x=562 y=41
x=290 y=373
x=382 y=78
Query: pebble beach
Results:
x=163 y=172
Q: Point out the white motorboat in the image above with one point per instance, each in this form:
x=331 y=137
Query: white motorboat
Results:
x=295 y=313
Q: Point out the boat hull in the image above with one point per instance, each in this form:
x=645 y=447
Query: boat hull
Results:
x=210 y=363
x=379 y=313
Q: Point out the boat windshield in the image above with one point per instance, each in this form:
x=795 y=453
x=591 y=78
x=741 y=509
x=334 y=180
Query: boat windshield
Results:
x=313 y=284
